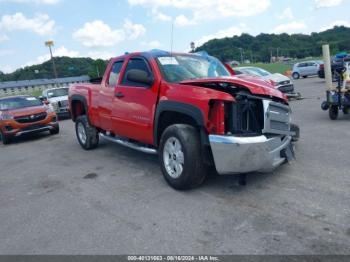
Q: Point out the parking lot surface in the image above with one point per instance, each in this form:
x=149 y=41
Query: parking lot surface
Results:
x=56 y=198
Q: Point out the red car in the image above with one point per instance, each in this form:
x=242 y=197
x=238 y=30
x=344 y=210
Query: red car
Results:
x=21 y=115
x=188 y=109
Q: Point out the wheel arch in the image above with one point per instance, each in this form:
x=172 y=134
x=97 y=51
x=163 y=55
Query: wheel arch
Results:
x=172 y=112
x=78 y=107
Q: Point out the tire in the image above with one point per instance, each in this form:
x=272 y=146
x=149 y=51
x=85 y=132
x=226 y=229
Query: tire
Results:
x=296 y=75
x=180 y=149
x=333 y=112
x=87 y=135
x=4 y=139
x=55 y=131
x=295 y=128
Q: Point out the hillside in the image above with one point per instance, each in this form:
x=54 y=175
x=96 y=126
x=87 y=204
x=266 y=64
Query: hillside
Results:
x=66 y=67
x=259 y=48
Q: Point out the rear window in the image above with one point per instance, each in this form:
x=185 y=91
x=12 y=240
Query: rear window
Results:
x=18 y=102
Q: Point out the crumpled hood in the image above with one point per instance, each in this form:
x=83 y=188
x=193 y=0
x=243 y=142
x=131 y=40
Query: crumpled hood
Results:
x=256 y=85
x=57 y=99
x=277 y=78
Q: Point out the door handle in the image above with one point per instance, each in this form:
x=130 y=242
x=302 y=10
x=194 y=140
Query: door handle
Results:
x=119 y=95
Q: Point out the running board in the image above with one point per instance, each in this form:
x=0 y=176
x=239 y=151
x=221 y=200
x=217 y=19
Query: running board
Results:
x=135 y=146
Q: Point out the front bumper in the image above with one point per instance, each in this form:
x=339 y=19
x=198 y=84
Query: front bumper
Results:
x=235 y=155
x=11 y=128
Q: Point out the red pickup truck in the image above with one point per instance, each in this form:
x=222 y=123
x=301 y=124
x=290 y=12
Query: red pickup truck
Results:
x=189 y=110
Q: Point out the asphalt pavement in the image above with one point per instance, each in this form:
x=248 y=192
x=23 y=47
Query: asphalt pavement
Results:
x=56 y=198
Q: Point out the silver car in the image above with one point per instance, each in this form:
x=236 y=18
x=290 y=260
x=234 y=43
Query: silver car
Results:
x=306 y=68
x=279 y=81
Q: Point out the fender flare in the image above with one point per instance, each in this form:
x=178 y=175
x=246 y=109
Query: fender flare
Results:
x=81 y=99
x=179 y=107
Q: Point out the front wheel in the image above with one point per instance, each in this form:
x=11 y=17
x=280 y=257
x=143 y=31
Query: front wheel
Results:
x=333 y=112
x=55 y=130
x=4 y=139
x=296 y=75
x=87 y=135
x=180 y=157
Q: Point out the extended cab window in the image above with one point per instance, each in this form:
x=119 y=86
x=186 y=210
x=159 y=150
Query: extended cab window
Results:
x=115 y=72
x=139 y=64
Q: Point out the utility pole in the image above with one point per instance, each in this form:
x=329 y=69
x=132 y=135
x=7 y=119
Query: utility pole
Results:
x=49 y=44
x=270 y=55
x=278 y=49
x=251 y=57
x=241 y=50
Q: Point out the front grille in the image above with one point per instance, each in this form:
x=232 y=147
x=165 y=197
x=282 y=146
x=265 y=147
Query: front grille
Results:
x=31 y=118
x=245 y=117
x=63 y=103
x=277 y=118
x=286 y=89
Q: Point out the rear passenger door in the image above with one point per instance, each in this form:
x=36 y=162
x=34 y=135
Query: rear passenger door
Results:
x=135 y=103
x=106 y=96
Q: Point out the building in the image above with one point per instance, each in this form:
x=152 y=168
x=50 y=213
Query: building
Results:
x=30 y=86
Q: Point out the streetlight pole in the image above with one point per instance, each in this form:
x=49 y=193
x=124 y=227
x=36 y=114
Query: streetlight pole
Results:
x=49 y=44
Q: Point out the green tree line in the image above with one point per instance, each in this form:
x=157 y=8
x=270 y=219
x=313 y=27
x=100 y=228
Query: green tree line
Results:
x=261 y=47
x=66 y=67
x=258 y=48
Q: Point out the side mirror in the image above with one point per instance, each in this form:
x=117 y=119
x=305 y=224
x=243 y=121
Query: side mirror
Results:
x=139 y=76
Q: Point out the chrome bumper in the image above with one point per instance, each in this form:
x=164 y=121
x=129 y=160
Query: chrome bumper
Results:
x=234 y=155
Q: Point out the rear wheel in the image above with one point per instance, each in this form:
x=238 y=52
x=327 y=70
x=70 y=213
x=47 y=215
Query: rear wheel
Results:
x=296 y=75
x=333 y=112
x=87 y=135
x=180 y=157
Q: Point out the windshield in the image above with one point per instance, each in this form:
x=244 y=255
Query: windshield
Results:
x=57 y=92
x=19 y=102
x=179 y=68
x=255 y=71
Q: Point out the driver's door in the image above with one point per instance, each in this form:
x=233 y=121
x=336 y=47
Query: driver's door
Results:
x=134 y=103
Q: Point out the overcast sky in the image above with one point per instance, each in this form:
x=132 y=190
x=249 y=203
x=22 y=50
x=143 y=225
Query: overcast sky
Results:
x=107 y=28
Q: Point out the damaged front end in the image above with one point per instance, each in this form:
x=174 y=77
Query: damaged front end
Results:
x=256 y=132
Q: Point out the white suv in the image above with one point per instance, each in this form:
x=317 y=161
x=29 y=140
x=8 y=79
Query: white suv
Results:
x=58 y=98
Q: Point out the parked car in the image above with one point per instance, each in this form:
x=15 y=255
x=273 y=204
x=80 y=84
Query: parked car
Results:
x=21 y=115
x=305 y=69
x=279 y=81
x=189 y=110
x=58 y=98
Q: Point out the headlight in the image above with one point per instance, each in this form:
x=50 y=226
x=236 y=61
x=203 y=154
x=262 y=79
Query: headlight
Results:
x=50 y=109
x=5 y=117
